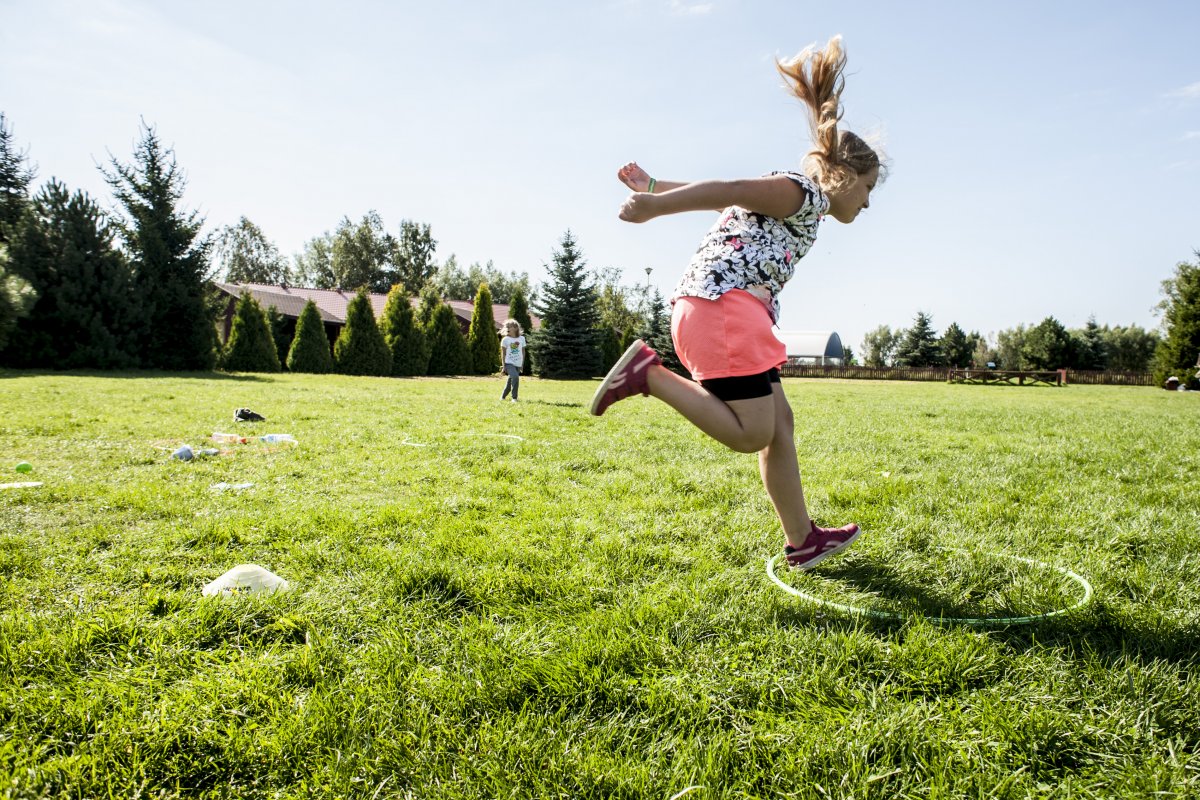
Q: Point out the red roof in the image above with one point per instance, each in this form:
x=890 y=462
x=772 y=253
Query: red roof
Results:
x=332 y=303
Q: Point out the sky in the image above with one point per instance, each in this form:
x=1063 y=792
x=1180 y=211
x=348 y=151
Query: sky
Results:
x=1045 y=157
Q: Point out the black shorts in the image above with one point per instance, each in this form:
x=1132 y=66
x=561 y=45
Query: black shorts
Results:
x=743 y=387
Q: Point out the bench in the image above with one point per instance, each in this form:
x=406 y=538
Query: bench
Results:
x=1002 y=377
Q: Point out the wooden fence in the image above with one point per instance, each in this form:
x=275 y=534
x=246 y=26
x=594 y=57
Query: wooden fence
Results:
x=944 y=374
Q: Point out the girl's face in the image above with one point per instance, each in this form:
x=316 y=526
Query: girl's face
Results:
x=512 y=330
x=845 y=203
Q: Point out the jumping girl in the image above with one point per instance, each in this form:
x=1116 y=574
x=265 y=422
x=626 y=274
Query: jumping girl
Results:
x=727 y=301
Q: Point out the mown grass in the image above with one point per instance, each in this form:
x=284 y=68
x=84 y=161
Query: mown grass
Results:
x=585 y=612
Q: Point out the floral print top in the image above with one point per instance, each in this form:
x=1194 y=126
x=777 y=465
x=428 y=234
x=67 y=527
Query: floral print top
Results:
x=745 y=249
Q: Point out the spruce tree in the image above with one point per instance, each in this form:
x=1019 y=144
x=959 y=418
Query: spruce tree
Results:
x=405 y=339
x=360 y=348
x=1178 y=352
x=482 y=338
x=518 y=309
x=567 y=346
x=448 y=351
x=15 y=177
x=169 y=259
x=657 y=333
x=310 y=346
x=919 y=346
x=251 y=348
x=1090 y=347
x=84 y=315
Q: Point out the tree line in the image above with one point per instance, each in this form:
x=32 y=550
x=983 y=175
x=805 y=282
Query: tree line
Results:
x=1045 y=346
x=82 y=287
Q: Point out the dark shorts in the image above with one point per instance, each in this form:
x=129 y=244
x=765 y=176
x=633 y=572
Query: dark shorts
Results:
x=743 y=387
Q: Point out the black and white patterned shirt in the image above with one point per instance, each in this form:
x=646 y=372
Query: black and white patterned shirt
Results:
x=746 y=249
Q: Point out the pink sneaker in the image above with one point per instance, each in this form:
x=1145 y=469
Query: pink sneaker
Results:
x=626 y=378
x=820 y=544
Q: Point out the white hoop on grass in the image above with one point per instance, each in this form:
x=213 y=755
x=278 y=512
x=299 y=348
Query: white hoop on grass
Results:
x=859 y=611
x=509 y=436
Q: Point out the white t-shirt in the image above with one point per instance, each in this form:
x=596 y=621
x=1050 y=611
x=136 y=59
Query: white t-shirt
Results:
x=514 y=350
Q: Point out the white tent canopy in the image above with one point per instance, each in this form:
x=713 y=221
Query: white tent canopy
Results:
x=812 y=347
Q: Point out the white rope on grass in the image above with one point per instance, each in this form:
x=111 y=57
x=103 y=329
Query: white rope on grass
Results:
x=509 y=436
x=859 y=611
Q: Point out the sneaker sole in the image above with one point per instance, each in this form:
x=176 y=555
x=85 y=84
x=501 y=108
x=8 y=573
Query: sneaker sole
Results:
x=629 y=354
x=812 y=562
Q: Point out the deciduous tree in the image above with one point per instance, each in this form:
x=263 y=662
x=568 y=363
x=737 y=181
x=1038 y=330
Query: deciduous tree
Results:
x=1179 y=350
x=245 y=255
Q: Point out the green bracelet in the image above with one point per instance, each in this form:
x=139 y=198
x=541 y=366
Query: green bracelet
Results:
x=651 y=189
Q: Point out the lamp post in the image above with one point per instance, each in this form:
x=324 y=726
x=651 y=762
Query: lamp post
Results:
x=648 y=271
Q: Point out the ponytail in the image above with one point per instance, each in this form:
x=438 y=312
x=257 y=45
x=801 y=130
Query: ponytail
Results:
x=815 y=78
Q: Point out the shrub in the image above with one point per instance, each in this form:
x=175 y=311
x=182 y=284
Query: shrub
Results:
x=482 y=340
x=310 y=345
x=250 y=348
x=360 y=348
x=448 y=352
x=404 y=338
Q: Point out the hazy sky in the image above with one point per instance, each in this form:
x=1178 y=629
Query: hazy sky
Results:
x=1045 y=155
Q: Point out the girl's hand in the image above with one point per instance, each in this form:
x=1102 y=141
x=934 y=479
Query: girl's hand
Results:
x=634 y=177
x=639 y=207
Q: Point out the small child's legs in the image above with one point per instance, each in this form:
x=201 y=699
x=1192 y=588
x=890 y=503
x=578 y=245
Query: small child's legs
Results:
x=514 y=381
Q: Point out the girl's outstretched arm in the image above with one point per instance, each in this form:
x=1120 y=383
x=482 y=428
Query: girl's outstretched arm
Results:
x=774 y=196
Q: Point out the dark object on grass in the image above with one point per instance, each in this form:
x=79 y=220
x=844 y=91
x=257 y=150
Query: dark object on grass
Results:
x=246 y=415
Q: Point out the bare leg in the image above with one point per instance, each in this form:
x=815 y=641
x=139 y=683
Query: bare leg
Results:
x=780 y=472
x=746 y=426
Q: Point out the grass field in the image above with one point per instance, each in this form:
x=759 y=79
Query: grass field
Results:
x=585 y=612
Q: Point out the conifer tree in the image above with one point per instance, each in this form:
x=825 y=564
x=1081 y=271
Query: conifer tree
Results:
x=1090 y=347
x=429 y=302
x=250 y=347
x=518 y=309
x=360 y=348
x=610 y=348
x=15 y=177
x=278 y=324
x=448 y=351
x=1178 y=352
x=567 y=346
x=482 y=338
x=919 y=346
x=405 y=339
x=168 y=257
x=84 y=314
x=310 y=346
x=957 y=348
x=1048 y=345
x=657 y=333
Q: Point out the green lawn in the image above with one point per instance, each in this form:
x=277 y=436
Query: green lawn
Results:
x=586 y=612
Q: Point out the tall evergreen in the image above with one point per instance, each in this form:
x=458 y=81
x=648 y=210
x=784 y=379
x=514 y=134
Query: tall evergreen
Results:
x=310 y=346
x=405 y=339
x=15 y=177
x=657 y=332
x=567 y=345
x=168 y=256
x=360 y=348
x=957 y=348
x=518 y=309
x=610 y=348
x=919 y=347
x=251 y=348
x=281 y=333
x=428 y=304
x=1090 y=347
x=1048 y=346
x=1179 y=351
x=448 y=350
x=482 y=338
x=84 y=314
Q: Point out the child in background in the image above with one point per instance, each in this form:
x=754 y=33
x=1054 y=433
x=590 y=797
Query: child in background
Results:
x=727 y=302
x=512 y=356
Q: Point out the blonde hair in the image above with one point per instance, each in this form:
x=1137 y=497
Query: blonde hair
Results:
x=815 y=77
x=508 y=322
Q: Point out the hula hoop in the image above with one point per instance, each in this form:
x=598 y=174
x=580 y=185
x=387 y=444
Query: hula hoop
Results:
x=859 y=611
x=509 y=436
x=21 y=485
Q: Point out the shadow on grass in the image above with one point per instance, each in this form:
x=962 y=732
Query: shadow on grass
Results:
x=1096 y=631
x=138 y=374
x=548 y=403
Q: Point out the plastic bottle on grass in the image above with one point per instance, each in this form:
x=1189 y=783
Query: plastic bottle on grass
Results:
x=278 y=438
x=231 y=438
